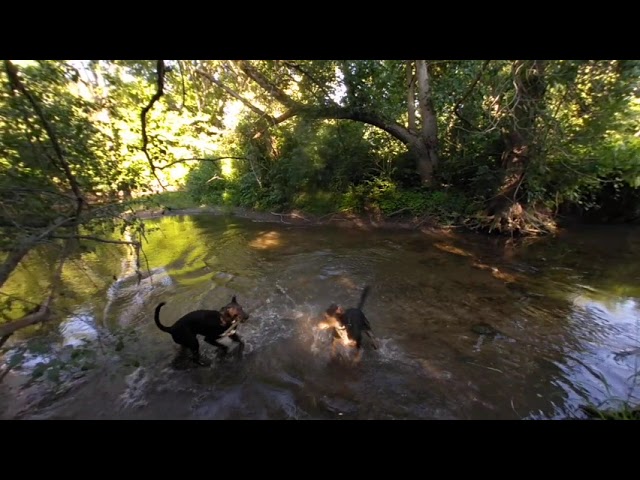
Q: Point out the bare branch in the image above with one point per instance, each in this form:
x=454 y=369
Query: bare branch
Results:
x=160 y=68
x=261 y=80
x=18 y=254
x=44 y=311
x=235 y=95
x=37 y=190
x=96 y=239
x=304 y=72
x=7 y=329
x=285 y=116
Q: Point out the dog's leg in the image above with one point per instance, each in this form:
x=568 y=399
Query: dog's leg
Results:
x=335 y=343
x=222 y=349
x=192 y=344
x=236 y=338
x=373 y=339
x=358 y=347
x=358 y=355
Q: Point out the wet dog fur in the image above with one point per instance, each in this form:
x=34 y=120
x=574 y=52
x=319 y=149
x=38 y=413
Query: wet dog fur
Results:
x=213 y=325
x=349 y=325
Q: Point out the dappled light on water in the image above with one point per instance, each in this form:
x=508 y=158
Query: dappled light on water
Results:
x=452 y=249
x=266 y=241
x=504 y=276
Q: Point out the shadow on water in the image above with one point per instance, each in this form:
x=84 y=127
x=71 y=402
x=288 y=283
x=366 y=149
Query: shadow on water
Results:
x=469 y=327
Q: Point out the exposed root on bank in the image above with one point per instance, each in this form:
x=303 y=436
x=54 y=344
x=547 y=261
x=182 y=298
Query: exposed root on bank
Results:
x=513 y=220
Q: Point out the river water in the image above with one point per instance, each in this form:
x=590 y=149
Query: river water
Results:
x=469 y=327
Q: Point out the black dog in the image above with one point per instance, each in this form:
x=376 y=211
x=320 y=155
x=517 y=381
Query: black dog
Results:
x=349 y=325
x=211 y=324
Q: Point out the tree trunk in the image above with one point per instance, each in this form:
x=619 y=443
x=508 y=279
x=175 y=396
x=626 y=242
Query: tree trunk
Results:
x=427 y=147
x=411 y=97
x=426 y=159
x=505 y=209
x=519 y=149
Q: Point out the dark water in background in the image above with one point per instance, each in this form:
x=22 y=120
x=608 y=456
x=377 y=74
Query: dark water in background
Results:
x=469 y=328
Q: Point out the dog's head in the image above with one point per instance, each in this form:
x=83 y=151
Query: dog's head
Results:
x=332 y=316
x=233 y=311
x=334 y=312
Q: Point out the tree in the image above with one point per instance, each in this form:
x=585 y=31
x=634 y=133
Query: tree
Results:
x=311 y=97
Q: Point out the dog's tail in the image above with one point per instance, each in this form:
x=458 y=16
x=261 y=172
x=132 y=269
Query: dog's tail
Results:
x=363 y=296
x=157 y=319
x=368 y=329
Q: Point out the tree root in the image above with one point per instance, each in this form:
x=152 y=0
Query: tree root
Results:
x=513 y=220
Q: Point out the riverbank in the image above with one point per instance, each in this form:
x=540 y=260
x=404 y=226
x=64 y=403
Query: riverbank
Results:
x=299 y=218
x=179 y=203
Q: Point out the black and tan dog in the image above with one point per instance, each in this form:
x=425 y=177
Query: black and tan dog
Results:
x=348 y=325
x=213 y=325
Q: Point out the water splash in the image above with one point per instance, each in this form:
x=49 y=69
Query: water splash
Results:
x=78 y=330
x=134 y=395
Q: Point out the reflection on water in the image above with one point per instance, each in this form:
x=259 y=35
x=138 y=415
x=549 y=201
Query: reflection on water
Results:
x=468 y=327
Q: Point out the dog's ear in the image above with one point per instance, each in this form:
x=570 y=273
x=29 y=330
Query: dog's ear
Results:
x=233 y=299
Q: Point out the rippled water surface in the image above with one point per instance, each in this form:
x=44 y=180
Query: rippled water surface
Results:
x=469 y=327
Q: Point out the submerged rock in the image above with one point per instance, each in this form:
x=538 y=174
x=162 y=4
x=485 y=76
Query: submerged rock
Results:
x=483 y=328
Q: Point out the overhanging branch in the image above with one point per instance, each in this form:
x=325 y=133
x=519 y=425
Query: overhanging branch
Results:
x=160 y=69
x=25 y=246
x=44 y=312
x=96 y=239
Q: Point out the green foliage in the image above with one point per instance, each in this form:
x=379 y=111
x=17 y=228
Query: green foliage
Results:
x=59 y=366
x=582 y=141
x=205 y=184
x=176 y=200
x=385 y=196
x=318 y=202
